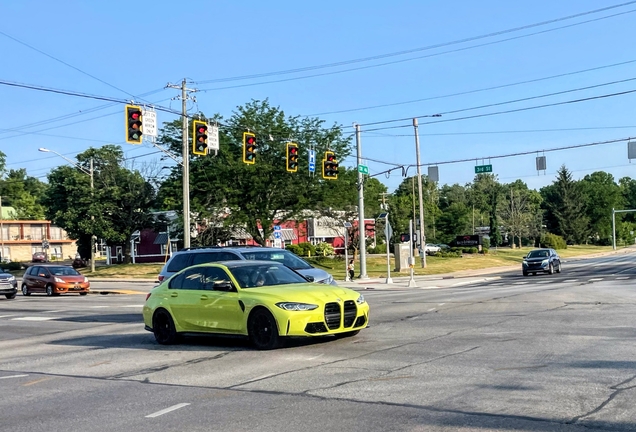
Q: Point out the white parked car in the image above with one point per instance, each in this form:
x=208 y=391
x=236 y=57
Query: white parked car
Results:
x=430 y=249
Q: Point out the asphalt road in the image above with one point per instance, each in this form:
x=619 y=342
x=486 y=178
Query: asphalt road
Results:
x=502 y=352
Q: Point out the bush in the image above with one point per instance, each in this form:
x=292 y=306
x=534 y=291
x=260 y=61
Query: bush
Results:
x=293 y=249
x=448 y=254
x=306 y=249
x=485 y=243
x=553 y=241
x=324 y=249
x=378 y=249
x=11 y=266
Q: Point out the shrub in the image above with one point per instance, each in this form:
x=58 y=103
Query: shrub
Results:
x=324 y=249
x=448 y=254
x=306 y=249
x=293 y=249
x=11 y=266
x=485 y=243
x=378 y=249
x=553 y=241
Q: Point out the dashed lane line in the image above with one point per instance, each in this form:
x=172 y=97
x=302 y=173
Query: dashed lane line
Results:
x=595 y=279
x=167 y=410
x=570 y=280
x=32 y=319
x=14 y=376
x=622 y=278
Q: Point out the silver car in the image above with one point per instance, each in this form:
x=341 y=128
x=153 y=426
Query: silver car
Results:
x=8 y=285
x=192 y=256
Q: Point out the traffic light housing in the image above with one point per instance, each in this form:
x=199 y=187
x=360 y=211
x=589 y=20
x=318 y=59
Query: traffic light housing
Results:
x=249 y=148
x=330 y=166
x=199 y=137
x=134 y=132
x=292 y=157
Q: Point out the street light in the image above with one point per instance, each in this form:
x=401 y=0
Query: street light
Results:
x=90 y=173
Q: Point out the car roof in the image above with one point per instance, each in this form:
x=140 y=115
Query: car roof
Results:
x=49 y=265
x=243 y=248
x=242 y=263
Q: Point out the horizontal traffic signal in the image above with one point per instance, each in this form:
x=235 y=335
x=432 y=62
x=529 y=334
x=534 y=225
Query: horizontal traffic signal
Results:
x=199 y=137
x=292 y=157
x=134 y=132
x=249 y=148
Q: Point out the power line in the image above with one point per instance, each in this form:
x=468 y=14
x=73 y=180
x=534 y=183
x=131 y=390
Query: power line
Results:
x=472 y=91
x=509 y=111
x=505 y=102
x=382 y=135
x=409 y=51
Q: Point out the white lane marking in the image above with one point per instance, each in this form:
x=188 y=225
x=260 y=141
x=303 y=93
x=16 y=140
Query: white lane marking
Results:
x=167 y=410
x=6 y=316
x=595 y=279
x=520 y=283
x=14 y=376
x=431 y=310
x=97 y=307
x=134 y=306
x=618 y=278
x=315 y=357
x=441 y=304
x=571 y=280
x=55 y=311
x=32 y=319
x=544 y=282
x=464 y=283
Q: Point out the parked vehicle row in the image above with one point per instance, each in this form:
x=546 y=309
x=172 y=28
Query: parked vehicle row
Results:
x=49 y=279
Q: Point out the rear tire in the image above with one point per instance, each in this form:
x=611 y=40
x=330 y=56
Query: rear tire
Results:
x=262 y=330
x=163 y=328
x=25 y=290
x=558 y=270
x=10 y=296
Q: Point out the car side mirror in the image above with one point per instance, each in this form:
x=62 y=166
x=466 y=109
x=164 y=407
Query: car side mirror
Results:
x=310 y=278
x=225 y=286
x=42 y=275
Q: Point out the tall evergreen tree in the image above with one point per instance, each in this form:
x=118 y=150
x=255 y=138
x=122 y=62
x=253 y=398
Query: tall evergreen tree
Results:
x=566 y=203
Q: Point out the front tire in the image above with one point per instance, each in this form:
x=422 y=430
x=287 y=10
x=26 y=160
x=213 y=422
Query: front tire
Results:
x=10 y=296
x=163 y=328
x=25 y=290
x=550 y=269
x=49 y=290
x=262 y=330
x=83 y=293
x=525 y=273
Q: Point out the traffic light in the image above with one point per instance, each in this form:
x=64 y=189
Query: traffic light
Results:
x=249 y=148
x=330 y=166
x=292 y=157
x=134 y=132
x=199 y=137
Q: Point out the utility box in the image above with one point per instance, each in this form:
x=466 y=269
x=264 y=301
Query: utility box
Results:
x=402 y=253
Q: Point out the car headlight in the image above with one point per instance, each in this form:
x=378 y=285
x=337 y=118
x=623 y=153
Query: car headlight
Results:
x=544 y=262
x=58 y=280
x=328 y=280
x=85 y=279
x=292 y=306
x=360 y=299
x=525 y=263
x=12 y=278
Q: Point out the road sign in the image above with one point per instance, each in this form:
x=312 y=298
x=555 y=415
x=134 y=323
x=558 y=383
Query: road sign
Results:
x=149 y=122
x=277 y=232
x=213 y=137
x=278 y=243
x=312 y=160
x=479 y=169
x=363 y=169
x=388 y=232
x=45 y=244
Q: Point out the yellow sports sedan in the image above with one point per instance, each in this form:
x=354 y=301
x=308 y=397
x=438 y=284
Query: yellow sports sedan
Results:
x=262 y=300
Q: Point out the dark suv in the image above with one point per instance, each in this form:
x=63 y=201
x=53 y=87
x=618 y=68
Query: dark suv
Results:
x=192 y=256
x=541 y=261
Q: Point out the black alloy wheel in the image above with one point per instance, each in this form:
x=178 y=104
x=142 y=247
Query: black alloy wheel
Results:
x=163 y=328
x=262 y=330
x=25 y=290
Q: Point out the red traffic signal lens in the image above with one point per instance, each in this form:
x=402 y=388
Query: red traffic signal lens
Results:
x=135 y=116
x=202 y=129
x=250 y=140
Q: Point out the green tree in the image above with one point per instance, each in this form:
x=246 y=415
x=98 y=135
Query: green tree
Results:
x=455 y=220
x=119 y=204
x=601 y=194
x=487 y=194
x=259 y=194
x=565 y=208
x=23 y=193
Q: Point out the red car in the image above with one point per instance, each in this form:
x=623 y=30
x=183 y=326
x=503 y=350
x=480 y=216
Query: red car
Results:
x=38 y=257
x=54 y=279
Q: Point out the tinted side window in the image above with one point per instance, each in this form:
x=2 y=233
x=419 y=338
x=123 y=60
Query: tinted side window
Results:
x=214 y=275
x=207 y=257
x=193 y=279
x=179 y=262
x=31 y=271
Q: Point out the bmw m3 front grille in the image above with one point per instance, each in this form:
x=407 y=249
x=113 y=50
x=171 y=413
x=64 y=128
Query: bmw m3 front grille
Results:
x=332 y=315
x=350 y=313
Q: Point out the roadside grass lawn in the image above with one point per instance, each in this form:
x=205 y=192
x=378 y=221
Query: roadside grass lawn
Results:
x=376 y=264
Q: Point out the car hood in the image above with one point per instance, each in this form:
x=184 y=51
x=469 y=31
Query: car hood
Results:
x=304 y=293
x=320 y=276
x=5 y=275
x=535 y=260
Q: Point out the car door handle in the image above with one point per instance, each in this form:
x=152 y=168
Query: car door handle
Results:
x=204 y=297
x=174 y=294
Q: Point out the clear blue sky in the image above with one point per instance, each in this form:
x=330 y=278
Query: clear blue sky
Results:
x=140 y=46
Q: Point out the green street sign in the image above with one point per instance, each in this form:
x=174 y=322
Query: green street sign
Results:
x=479 y=169
x=363 y=169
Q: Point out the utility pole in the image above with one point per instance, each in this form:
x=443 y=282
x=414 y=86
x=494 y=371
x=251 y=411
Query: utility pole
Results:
x=362 y=232
x=92 y=219
x=186 y=159
x=422 y=236
x=2 y=257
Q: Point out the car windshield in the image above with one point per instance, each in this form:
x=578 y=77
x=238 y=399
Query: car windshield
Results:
x=281 y=256
x=538 y=254
x=260 y=275
x=63 y=271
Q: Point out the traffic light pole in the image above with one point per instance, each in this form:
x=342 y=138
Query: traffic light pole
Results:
x=361 y=227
